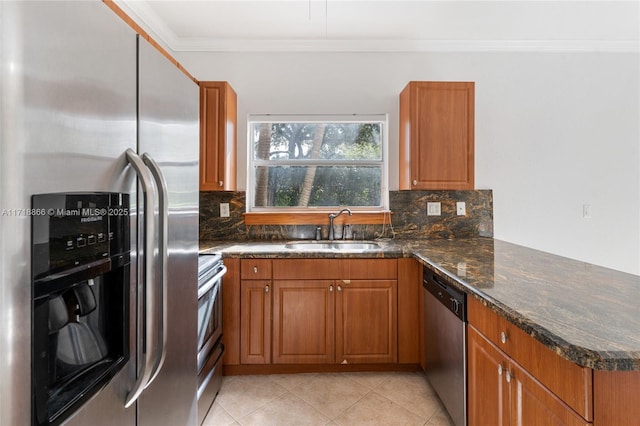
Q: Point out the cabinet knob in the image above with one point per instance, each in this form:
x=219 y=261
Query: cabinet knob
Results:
x=499 y=369
x=330 y=289
x=255 y=269
x=220 y=183
x=508 y=377
x=266 y=289
x=503 y=337
x=415 y=182
x=339 y=288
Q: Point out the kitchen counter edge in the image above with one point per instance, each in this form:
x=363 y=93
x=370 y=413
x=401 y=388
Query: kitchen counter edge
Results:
x=578 y=354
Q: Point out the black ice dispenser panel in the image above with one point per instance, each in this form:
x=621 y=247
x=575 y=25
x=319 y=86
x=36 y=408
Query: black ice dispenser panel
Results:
x=80 y=279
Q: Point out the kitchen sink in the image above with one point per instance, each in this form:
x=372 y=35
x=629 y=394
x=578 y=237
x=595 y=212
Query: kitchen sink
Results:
x=333 y=245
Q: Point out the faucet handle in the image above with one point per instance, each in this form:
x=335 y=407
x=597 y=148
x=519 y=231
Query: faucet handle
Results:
x=347 y=233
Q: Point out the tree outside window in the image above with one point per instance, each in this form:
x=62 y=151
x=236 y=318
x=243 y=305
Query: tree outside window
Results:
x=313 y=164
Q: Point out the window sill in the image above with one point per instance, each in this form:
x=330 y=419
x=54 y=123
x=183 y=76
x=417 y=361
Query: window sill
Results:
x=316 y=218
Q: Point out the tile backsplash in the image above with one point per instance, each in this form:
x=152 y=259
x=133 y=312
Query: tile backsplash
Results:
x=409 y=218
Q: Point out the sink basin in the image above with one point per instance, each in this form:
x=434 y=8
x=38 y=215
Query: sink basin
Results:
x=333 y=245
x=355 y=245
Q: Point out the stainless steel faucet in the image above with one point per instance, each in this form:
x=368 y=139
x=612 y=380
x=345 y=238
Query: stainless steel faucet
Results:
x=333 y=216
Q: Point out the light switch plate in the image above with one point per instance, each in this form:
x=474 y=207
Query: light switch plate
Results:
x=433 y=209
x=224 y=209
x=461 y=208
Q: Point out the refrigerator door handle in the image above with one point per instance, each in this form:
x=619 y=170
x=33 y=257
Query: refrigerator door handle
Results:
x=163 y=207
x=148 y=339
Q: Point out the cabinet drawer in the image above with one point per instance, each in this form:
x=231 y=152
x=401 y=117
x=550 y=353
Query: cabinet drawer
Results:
x=255 y=269
x=572 y=383
x=335 y=269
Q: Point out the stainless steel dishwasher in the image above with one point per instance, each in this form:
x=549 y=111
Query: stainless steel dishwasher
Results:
x=445 y=340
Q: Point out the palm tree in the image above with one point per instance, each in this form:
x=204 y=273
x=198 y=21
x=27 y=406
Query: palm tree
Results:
x=307 y=184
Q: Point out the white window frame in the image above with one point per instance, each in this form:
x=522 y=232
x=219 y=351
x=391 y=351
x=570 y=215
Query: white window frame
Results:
x=317 y=118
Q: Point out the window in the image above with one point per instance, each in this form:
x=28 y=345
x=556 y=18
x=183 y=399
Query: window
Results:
x=316 y=163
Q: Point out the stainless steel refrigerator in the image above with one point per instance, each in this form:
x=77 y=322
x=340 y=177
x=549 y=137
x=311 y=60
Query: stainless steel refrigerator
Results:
x=78 y=90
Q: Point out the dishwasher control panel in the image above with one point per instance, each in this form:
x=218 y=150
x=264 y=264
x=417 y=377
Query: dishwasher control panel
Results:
x=452 y=298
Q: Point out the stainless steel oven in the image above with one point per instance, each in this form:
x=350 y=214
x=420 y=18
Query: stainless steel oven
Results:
x=211 y=269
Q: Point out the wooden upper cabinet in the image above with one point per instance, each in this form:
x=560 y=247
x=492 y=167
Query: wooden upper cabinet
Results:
x=218 y=136
x=437 y=135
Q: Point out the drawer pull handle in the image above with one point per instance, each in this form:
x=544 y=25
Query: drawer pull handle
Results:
x=503 y=337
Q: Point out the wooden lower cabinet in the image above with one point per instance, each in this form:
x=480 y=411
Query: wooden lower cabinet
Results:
x=328 y=321
x=616 y=400
x=292 y=321
x=488 y=395
x=255 y=321
x=501 y=392
x=303 y=322
x=366 y=321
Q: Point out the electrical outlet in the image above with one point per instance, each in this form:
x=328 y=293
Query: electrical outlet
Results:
x=461 y=208
x=586 y=211
x=224 y=209
x=433 y=209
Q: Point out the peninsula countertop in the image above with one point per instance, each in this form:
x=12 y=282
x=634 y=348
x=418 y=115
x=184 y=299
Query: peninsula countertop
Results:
x=587 y=314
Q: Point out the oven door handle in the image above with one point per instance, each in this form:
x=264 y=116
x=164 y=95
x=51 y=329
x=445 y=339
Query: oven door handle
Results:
x=161 y=285
x=209 y=284
x=148 y=339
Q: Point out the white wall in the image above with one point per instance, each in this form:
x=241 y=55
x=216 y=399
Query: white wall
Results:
x=554 y=131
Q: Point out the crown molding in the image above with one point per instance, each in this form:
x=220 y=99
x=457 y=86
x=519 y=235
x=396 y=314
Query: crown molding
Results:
x=156 y=27
x=214 y=45
x=144 y=16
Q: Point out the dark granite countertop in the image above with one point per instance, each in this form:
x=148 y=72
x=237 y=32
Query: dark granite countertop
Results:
x=587 y=314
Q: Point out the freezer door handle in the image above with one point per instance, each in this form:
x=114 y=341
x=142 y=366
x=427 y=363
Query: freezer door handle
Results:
x=148 y=339
x=163 y=226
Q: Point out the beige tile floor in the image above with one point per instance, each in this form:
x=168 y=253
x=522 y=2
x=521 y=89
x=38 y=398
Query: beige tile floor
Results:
x=336 y=399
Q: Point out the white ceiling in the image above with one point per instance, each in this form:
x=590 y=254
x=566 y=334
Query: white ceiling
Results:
x=389 y=25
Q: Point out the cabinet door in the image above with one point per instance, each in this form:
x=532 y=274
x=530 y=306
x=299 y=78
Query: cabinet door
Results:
x=366 y=321
x=437 y=135
x=534 y=404
x=303 y=321
x=572 y=383
x=488 y=393
x=218 y=123
x=255 y=322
